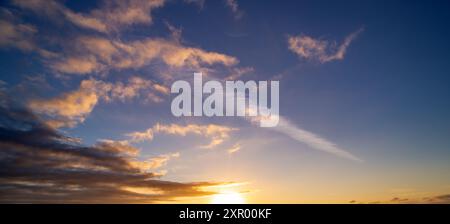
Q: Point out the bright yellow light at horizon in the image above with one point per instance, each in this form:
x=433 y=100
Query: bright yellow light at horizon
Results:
x=228 y=197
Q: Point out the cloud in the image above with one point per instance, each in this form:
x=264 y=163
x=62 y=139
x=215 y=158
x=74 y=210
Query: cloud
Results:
x=40 y=165
x=314 y=141
x=436 y=199
x=93 y=54
x=236 y=73
x=110 y=16
x=289 y=129
x=320 y=50
x=234 y=149
x=161 y=160
x=146 y=135
x=135 y=86
x=96 y=54
x=199 y=3
x=234 y=7
x=69 y=109
x=78 y=65
x=117 y=147
x=439 y=199
x=399 y=200
x=16 y=35
x=217 y=133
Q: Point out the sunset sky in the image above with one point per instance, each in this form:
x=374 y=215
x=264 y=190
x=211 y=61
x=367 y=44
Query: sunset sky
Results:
x=85 y=101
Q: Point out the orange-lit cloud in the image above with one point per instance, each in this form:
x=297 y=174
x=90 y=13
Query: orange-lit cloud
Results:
x=320 y=50
x=94 y=54
x=40 y=165
x=217 y=133
x=17 y=34
x=234 y=7
x=234 y=149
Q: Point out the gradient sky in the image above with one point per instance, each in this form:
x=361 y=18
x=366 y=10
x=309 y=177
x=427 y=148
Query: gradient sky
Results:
x=368 y=78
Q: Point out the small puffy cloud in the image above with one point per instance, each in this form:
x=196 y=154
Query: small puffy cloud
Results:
x=217 y=133
x=320 y=50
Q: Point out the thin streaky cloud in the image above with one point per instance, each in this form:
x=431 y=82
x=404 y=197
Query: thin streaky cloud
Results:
x=313 y=140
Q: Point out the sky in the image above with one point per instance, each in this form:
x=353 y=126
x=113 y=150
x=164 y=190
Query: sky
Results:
x=85 y=98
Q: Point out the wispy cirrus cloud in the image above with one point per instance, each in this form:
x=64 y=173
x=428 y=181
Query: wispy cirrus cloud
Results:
x=320 y=50
x=313 y=140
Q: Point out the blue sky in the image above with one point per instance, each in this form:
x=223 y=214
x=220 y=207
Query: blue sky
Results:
x=369 y=77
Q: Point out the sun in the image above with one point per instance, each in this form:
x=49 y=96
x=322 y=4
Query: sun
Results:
x=228 y=197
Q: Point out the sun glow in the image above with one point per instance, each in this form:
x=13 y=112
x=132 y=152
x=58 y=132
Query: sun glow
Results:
x=228 y=197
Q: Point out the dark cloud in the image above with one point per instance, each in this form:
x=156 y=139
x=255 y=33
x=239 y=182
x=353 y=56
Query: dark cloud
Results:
x=40 y=165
